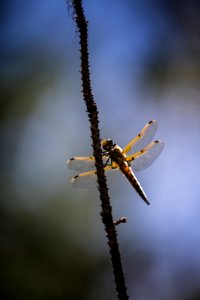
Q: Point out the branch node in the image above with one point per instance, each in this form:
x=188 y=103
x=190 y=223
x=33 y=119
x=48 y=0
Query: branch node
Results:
x=121 y=220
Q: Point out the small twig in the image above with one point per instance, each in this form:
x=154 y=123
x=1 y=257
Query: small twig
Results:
x=106 y=212
x=121 y=220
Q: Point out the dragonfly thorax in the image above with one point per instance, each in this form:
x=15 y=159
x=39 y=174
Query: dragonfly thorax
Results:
x=113 y=151
x=107 y=145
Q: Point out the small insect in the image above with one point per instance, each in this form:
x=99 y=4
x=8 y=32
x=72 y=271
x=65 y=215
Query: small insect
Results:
x=143 y=153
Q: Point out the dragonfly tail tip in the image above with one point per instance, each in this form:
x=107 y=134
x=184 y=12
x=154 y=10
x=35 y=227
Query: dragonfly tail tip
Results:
x=147 y=202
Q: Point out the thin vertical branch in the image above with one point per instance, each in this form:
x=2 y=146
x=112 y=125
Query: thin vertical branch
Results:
x=92 y=111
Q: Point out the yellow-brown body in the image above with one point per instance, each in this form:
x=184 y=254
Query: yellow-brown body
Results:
x=116 y=155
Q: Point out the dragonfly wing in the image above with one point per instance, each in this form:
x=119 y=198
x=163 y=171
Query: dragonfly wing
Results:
x=86 y=163
x=144 y=158
x=85 y=180
x=143 y=138
x=89 y=179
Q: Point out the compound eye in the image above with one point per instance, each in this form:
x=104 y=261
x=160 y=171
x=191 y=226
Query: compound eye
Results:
x=107 y=144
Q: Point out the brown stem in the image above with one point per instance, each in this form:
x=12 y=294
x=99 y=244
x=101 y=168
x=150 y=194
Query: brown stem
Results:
x=92 y=111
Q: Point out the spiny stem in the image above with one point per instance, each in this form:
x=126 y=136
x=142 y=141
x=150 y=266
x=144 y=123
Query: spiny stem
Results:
x=92 y=111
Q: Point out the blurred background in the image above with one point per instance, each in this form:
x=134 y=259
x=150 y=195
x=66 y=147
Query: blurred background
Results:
x=145 y=64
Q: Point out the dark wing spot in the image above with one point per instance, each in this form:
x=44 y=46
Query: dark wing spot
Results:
x=91 y=157
x=142 y=151
x=156 y=142
x=150 y=122
x=72 y=158
x=139 y=135
x=113 y=167
x=76 y=176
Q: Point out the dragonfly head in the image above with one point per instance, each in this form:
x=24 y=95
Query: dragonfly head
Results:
x=107 y=145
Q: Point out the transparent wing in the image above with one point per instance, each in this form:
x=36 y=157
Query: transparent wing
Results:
x=89 y=179
x=81 y=163
x=143 y=138
x=86 y=163
x=85 y=180
x=144 y=158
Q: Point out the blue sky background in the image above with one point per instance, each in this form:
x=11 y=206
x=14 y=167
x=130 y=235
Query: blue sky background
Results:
x=144 y=59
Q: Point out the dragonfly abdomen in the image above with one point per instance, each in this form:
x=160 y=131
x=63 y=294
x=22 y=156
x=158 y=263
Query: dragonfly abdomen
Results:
x=133 y=180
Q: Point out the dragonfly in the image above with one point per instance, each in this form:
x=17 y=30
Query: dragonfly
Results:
x=137 y=155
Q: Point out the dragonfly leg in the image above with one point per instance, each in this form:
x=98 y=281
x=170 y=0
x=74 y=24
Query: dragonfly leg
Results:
x=108 y=164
